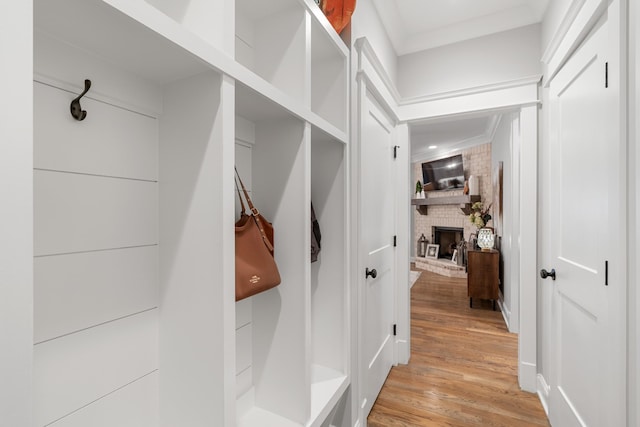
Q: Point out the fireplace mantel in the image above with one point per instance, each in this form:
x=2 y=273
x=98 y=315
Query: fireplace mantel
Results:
x=464 y=201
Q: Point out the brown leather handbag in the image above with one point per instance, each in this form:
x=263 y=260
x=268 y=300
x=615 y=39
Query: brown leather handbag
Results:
x=256 y=269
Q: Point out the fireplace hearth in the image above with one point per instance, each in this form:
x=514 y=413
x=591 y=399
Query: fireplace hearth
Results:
x=448 y=239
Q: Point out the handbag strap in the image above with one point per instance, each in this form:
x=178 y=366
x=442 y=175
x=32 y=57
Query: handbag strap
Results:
x=244 y=211
x=254 y=212
x=253 y=209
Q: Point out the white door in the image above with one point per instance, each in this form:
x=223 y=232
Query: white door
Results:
x=586 y=253
x=376 y=250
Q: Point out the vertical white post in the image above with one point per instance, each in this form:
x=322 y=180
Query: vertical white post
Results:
x=634 y=214
x=527 y=351
x=403 y=244
x=16 y=215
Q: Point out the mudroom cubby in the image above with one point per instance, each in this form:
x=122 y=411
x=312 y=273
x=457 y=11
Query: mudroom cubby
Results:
x=276 y=341
x=329 y=76
x=289 y=334
x=135 y=321
x=271 y=41
x=329 y=337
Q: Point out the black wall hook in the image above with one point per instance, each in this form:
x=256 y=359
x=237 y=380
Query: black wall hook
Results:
x=76 y=111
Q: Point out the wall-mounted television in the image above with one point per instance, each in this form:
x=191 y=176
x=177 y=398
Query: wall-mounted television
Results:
x=443 y=174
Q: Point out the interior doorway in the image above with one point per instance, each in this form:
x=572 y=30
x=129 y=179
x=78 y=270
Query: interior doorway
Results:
x=488 y=143
x=509 y=135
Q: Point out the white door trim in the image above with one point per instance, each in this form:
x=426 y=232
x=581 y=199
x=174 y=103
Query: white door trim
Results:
x=527 y=241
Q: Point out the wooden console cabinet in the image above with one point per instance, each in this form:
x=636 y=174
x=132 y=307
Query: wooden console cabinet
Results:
x=483 y=275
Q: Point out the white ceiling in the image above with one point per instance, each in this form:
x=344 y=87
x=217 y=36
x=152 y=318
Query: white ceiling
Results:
x=450 y=135
x=414 y=25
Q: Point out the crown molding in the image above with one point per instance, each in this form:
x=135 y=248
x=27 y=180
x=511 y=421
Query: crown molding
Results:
x=365 y=51
x=562 y=30
x=524 y=81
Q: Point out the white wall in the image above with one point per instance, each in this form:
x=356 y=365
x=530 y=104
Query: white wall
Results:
x=502 y=150
x=496 y=58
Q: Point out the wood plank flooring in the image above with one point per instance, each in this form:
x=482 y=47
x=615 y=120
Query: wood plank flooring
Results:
x=463 y=367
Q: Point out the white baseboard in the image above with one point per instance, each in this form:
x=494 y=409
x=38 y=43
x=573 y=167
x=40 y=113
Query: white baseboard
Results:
x=506 y=313
x=412 y=280
x=527 y=376
x=404 y=352
x=543 y=393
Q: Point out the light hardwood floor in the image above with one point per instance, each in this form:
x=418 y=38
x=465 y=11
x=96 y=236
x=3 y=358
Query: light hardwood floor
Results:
x=463 y=367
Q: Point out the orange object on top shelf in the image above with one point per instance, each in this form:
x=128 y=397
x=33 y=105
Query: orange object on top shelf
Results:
x=338 y=12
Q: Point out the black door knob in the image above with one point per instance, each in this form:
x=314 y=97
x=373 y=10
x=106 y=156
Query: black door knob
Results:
x=544 y=274
x=373 y=273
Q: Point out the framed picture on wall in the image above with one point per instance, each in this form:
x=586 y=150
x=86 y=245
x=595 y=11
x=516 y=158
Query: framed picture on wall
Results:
x=432 y=251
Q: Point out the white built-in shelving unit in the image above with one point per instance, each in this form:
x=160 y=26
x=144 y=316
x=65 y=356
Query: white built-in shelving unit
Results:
x=135 y=320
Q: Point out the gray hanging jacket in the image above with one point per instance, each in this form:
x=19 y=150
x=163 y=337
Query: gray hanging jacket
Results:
x=315 y=236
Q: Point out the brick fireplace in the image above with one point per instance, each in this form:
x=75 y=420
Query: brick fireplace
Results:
x=477 y=162
x=448 y=239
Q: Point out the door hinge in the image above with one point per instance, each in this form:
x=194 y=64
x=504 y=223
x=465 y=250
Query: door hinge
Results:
x=395 y=241
x=395 y=151
x=394 y=329
x=606 y=273
x=606 y=74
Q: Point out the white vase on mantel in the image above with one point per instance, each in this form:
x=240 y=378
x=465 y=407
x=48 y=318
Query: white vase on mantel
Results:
x=474 y=186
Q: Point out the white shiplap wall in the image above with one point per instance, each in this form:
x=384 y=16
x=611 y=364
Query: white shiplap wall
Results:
x=96 y=263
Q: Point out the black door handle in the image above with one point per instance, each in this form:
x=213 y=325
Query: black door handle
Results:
x=544 y=274
x=373 y=273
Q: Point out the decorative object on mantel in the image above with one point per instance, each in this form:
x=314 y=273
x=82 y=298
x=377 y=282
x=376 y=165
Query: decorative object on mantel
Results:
x=338 y=12
x=486 y=238
x=465 y=191
x=422 y=246
x=462 y=252
x=432 y=251
x=480 y=216
x=474 y=185
x=419 y=190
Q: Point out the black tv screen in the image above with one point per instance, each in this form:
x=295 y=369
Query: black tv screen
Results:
x=443 y=174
